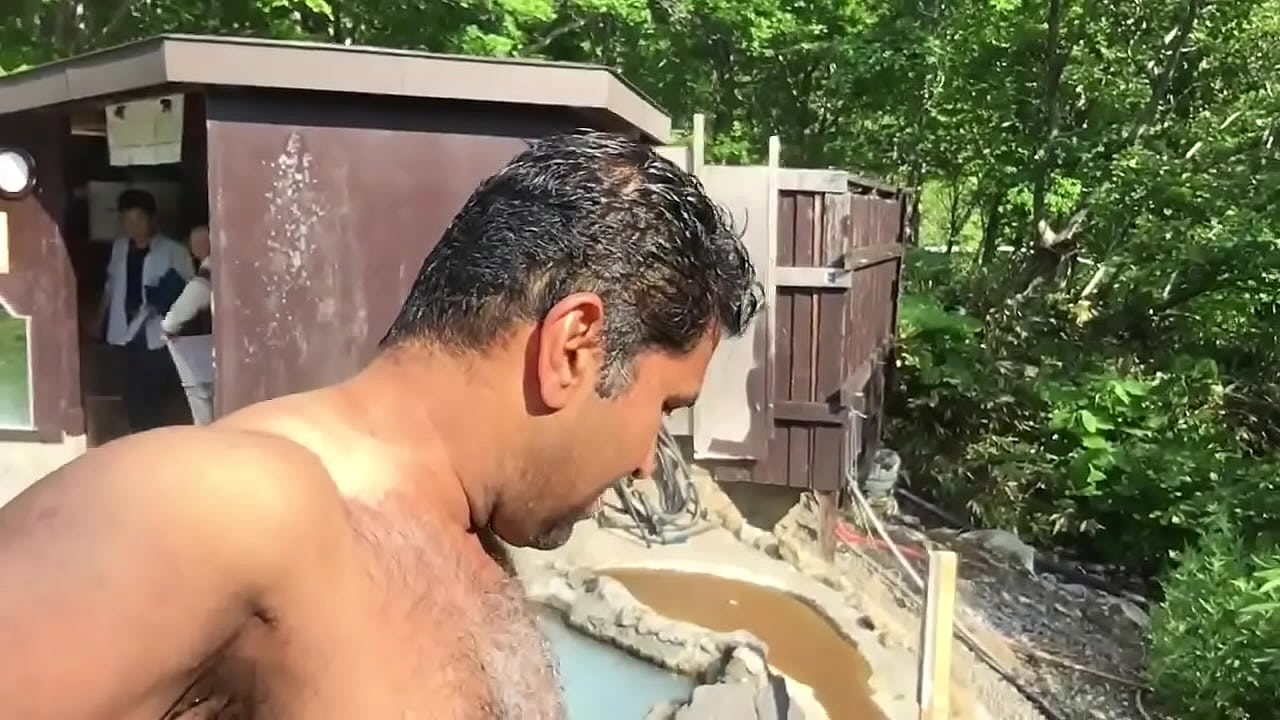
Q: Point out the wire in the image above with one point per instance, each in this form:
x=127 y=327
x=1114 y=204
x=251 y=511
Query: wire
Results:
x=679 y=514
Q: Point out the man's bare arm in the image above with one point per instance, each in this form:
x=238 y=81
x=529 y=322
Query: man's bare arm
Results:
x=123 y=571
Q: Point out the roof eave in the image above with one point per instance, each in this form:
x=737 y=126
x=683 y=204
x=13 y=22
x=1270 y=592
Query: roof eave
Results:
x=173 y=60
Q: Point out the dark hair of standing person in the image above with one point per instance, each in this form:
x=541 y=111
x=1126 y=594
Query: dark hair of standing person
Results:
x=135 y=199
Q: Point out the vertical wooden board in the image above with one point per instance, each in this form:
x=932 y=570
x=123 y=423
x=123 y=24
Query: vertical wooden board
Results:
x=779 y=444
x=802 y=340
x=906 y=215
x=803 y=309
x=863 y=236
x=833 y=310
x=773 y=471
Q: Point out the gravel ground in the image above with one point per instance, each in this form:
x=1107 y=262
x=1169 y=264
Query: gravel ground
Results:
x=1067 y=637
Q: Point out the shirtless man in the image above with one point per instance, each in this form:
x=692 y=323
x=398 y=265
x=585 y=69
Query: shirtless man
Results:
x=328 y=560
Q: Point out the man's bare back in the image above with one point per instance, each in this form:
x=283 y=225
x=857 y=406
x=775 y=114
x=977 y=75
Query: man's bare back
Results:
x=322 y=556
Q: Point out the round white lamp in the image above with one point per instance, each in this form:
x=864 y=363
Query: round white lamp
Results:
x=17 y=173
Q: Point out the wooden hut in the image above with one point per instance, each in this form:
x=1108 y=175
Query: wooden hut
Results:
x=325 y=172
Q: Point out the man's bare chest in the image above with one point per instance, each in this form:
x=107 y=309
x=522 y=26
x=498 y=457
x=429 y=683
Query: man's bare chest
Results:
x=418 y=627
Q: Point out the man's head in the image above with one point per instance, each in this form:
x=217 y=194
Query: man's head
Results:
x=137 y=209
x=607 y=277
x=198 y=241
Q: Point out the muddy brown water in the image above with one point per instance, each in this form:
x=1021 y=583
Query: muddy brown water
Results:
x=802 y=643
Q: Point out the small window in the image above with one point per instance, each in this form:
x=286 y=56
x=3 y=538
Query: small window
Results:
x=15 y=370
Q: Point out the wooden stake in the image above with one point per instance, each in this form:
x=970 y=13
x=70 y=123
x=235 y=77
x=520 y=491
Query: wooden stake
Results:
x=828 y=516
x=934 y=693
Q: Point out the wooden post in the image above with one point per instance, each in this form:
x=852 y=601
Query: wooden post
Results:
x=828 y=516
x=934 y=691
x=698 y=144
x=767 y=277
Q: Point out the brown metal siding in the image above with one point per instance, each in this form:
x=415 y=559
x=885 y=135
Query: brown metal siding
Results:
x=40 y=283
x=831 y=342
x=322 y=210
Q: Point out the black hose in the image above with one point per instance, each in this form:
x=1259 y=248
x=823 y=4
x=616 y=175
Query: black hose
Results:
x=679 y=514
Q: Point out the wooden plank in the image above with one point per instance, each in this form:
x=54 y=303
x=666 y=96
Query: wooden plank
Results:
x=792 y=412
x=813 y=181
x=773 y=469
x=784 y=254
x=816 y=278
x=865 y=257
x=803 y=339
x=866 y=183
x=934 y=693
x=830 y=455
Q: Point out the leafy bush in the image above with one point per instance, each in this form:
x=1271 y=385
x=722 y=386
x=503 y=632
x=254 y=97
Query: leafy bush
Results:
x=1214 y=651
x=1032 y=425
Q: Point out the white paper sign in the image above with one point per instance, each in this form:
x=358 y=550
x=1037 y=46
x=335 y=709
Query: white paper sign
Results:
x=145 y=132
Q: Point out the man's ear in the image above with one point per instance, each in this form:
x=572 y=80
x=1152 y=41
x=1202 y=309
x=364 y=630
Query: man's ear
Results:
x=570 y=349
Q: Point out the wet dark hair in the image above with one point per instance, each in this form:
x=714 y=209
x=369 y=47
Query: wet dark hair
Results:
x=135 y=199
x=593 y=212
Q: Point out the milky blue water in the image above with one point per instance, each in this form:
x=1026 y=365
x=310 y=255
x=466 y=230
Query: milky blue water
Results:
x=601 y=682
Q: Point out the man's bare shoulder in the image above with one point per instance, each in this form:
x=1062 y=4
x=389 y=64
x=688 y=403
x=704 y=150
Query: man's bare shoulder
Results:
x=228 y=489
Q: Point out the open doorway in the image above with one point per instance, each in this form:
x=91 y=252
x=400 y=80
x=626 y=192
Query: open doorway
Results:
x=128 y=378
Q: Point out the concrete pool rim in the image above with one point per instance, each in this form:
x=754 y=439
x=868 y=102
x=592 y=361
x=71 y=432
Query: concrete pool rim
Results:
x=845 y=622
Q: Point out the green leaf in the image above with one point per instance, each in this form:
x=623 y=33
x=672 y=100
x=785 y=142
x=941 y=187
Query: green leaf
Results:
x=1095 y=442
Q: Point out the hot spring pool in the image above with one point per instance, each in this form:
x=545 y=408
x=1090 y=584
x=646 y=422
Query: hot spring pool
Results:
x=601 y=681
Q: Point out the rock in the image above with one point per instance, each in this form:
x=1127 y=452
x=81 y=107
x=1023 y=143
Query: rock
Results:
x=553 y=591
x=942 y=535
x=1065 y=610
x=746 y=665
x=737 y=701
x=720 y=702
x=1074 y=590
x=773 y=702
x=1134 y=613
x=1005 y=546
x=904 y=535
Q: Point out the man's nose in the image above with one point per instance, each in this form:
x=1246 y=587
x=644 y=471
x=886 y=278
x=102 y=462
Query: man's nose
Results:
x=650 y=463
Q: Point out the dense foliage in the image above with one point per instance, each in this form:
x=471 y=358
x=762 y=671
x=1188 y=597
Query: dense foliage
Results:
x=1214 y=648
x=1090 y=345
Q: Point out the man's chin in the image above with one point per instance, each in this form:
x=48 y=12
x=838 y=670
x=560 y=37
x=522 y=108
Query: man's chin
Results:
x=552 y=539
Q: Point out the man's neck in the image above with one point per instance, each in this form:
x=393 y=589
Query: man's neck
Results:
x=437 y=425
x=142 y=243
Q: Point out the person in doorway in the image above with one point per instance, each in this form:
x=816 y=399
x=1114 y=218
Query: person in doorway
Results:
x=576 y=297
x=188 y=328
x=141 y=259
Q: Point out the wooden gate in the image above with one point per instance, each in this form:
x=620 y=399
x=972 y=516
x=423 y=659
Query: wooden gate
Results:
x=797 y=400
x=839 y=260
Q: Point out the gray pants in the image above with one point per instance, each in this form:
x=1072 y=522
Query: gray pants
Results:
x=200 y=398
